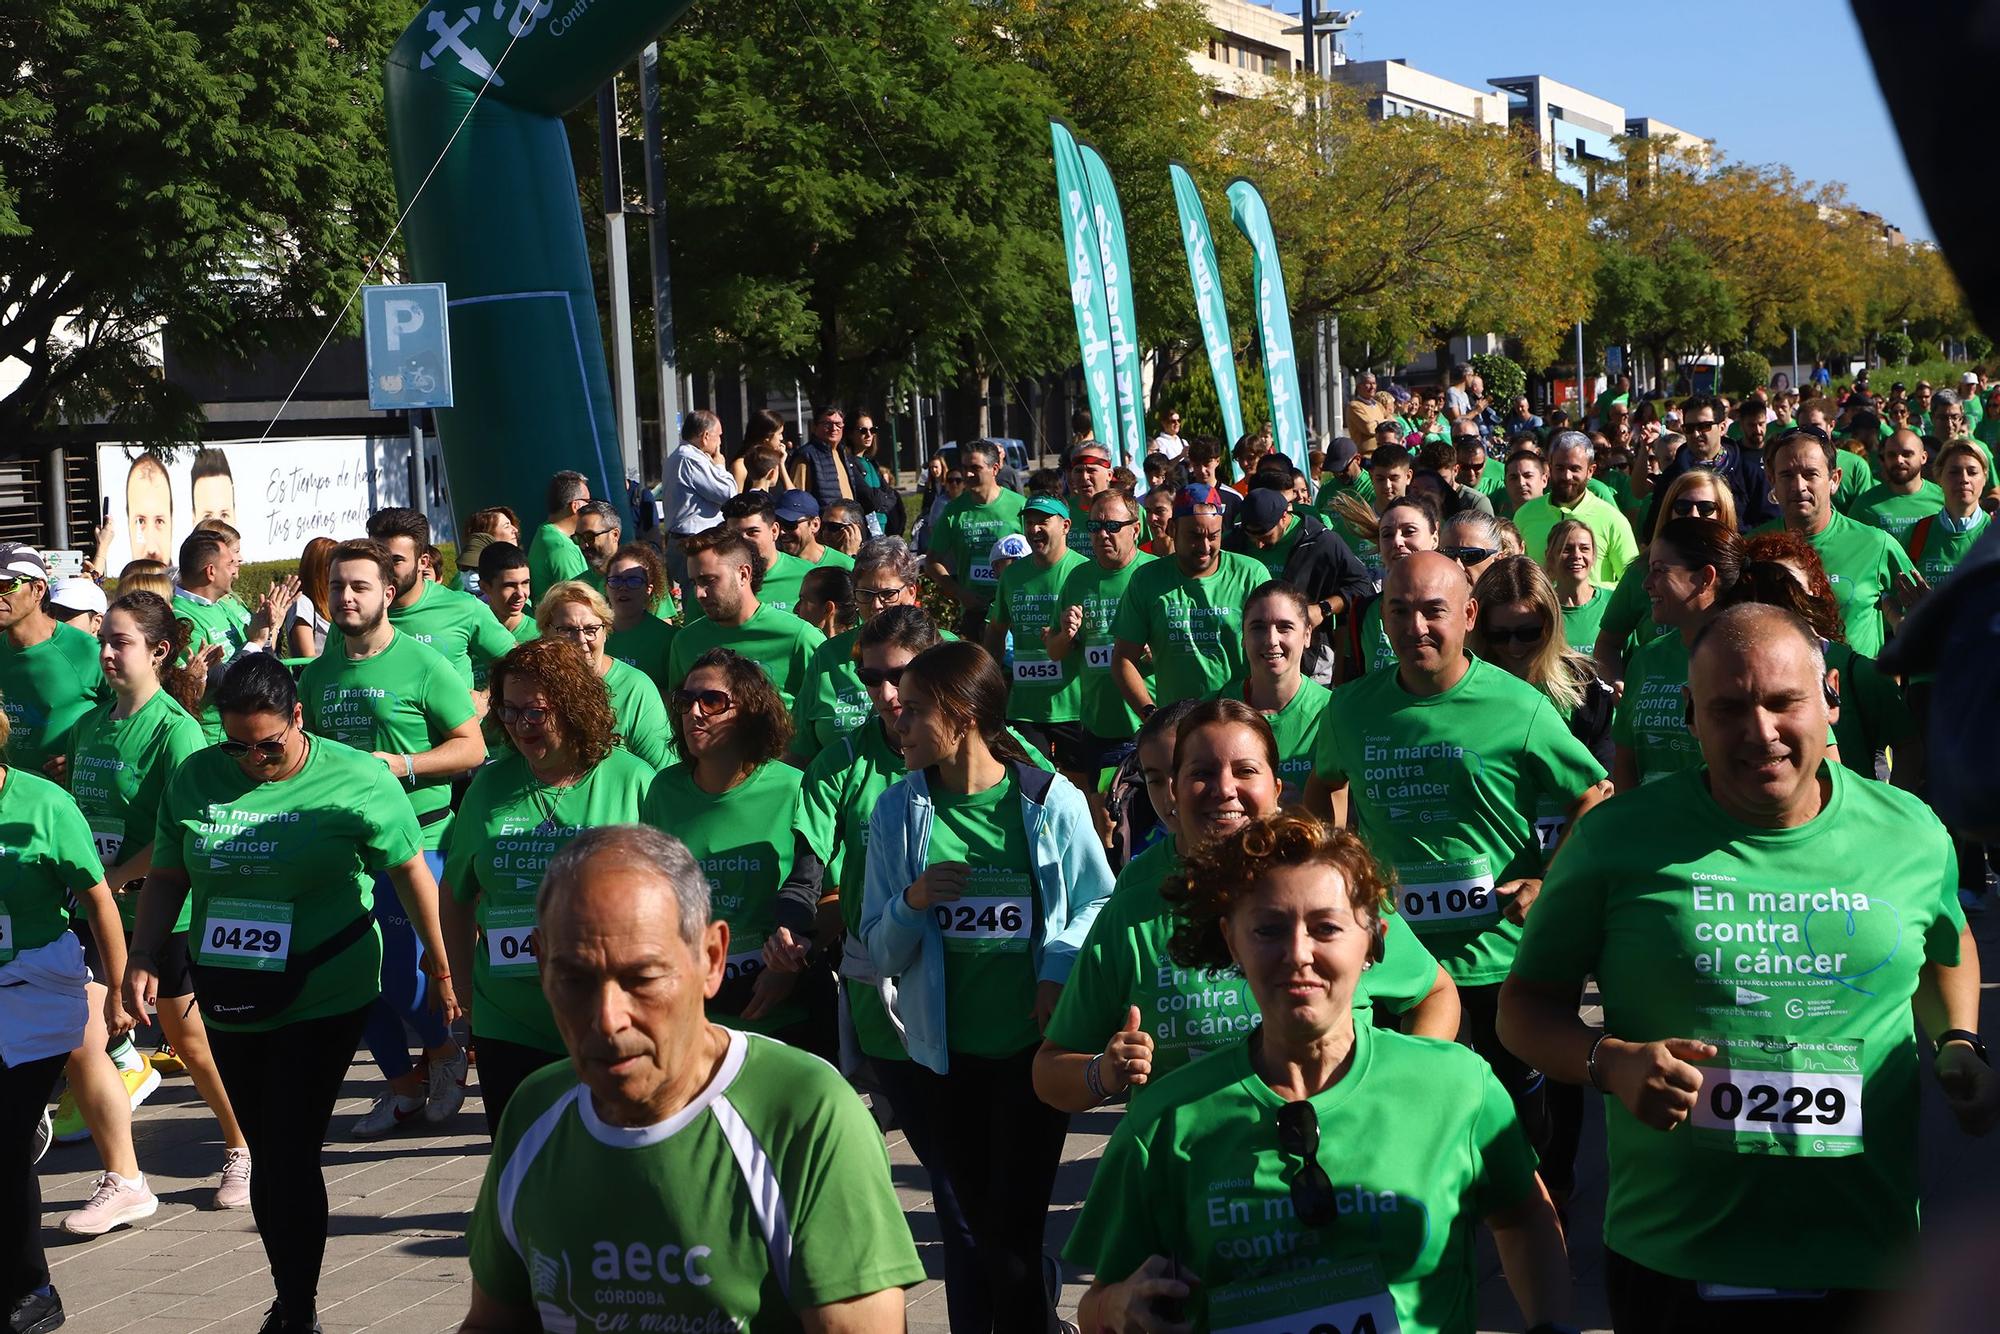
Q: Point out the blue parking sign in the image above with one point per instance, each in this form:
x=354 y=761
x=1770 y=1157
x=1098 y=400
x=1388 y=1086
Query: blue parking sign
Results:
x=408 y=336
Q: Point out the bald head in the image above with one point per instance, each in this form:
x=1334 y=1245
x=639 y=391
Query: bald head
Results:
x=1738 y=630
x=1427 y=611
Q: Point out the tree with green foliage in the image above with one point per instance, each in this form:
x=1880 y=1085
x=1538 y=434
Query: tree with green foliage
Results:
x=1669 y=303
x=212 y=170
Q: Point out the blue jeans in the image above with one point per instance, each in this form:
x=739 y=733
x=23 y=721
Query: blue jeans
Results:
x=405 y=989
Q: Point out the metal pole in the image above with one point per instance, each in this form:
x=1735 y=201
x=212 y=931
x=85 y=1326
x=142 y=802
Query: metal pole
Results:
x=55 y=498
x=1337 y=401
x=420 y=491
x=624 y=393
x=1581 y=402
x=666 y=370
x=1795 y=356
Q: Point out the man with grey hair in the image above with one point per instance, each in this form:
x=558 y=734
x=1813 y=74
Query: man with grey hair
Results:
x=695 y=478
x=1764 y=929
x=833 y=700
x=674 y=1171
x=598 y=533
x=1569 y=497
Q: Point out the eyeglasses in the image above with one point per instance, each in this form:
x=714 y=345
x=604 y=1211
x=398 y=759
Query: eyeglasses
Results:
x=269 y=749
x=1312 y=1189
x=533 y=715
x=708 y=703
x=1700 y=426
x=881 y=597
x=582 y=632
x=1469 y=555
x=1702 y=509
x=1523 y=635
x=1095 y=526
x=879 y=676
x=627 y=579
x=864 y=430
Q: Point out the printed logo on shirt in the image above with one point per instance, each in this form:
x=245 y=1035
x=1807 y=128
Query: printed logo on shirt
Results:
x=1787 y=955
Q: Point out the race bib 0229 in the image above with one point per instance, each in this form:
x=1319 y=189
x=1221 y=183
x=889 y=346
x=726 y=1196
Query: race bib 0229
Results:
x=1770 y=1095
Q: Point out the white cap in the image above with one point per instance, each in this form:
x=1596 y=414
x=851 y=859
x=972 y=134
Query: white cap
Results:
x=78 y=594
x=1970 y=377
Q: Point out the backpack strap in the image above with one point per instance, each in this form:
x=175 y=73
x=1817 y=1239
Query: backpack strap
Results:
x=1918 y=536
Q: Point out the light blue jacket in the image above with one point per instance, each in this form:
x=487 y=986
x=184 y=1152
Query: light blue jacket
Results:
x=1070 y=875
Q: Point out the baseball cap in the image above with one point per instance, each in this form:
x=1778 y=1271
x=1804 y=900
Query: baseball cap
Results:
x=78 y=594
x=792 y=506
x=1196 y=496
x=1096 y=448
x=1400 y=394
x=1340 y=451
x=1970 y=377
x=1262 y=510
x=1049 y=505
x=18 y=560
x=1011 y=547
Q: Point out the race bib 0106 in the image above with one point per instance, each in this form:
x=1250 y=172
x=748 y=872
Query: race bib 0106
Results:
x=1348 y=1299
x=1770 y=1095
x=1097 y=657
x=247 y=933
x=1458 y=893
x=1039 y=671
x=510 y=941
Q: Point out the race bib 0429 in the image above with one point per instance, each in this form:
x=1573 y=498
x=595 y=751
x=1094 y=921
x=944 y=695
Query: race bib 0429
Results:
x=247 y=933
x=1774 y=1096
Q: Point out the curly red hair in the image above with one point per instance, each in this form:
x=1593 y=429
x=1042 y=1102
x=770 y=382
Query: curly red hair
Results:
x=577 y=695
x=1815 y=603
x=1218 y=876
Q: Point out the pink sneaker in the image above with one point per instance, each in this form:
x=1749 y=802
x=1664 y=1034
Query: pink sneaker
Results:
x=234 y=1192
x=115 y=1203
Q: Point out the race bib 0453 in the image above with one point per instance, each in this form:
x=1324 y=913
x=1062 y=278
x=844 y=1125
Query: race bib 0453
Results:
x=1770 y=1095
x=1038 y=671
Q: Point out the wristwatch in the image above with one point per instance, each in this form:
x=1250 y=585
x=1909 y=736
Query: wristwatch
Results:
x=1966 y=1036
x=1326 y=611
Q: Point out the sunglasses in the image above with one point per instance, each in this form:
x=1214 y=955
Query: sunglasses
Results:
x=954 y=479
x=13 y=586
x=880 y=596
x=1108 y=525
x=1701 y=426
x=1523 y=635
x=533 y=715
x=1703 y=509
x=1469 y=555
x=1311 y=1188
x=708 y=703
x=1468 y=441
x=864 y=430
x=879 y=676
x=627 y=579
x=269 y=749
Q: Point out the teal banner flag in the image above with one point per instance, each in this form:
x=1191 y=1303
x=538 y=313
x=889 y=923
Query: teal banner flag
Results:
x=1086 y=282
x=1129 y=444
x=1208 y=303
x=1274 y=321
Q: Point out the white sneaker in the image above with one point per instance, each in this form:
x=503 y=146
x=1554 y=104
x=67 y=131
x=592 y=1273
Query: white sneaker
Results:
x=234 y=1192
x=115 y=1203
x=444 y=1091
x=392 y=1112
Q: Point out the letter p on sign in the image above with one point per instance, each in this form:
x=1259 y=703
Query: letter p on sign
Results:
x=404 y=317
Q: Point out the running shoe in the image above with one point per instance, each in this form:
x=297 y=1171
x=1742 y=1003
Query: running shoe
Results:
x=69 y=1126
x=234 y=1192
x=276 y=1323
x=444 y=1091
x=45 y=1134
x=36 y=1313
x=115 y=1203
x=391 y=1113
x=168 y=1061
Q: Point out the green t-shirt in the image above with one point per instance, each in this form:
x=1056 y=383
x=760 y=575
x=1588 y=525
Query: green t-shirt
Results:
x=277 y=868
x=1376 y=653
x=47 y=690
x=828 y=556
x=1042 y=690
x=1297 y=728
x=1651 y=718
x=646 y=646
x=1945 y=545
x=509 y=827
x=966 y=532
x=1101 y=707
x=1190 y=1011
x=553 y=556
x=641 y=714
x=1193 y=626
x=46 y=855
x=1581 y=622
x=404 y=700
x=118 y=767
x=1200 y=1176
x=1873 y=714
x=780 y=588
x=527 y=632
x=1896 y=514
x=462 y=629
x=1861 y=563
x=777 y=641
x=833 y=701
x=743 y=840
x=989 y=971
x=1857 y=478
x=1797 y=951
x=1627 y=620
x=208 y=623
x=675 y=1226
x=1446 y=791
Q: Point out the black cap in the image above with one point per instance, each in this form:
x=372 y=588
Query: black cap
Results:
x=1340 y=451
x=1262 y=510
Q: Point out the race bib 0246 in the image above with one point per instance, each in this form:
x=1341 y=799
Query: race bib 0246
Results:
x=1001 y=923
x=247 y=933
x=1770 y=1095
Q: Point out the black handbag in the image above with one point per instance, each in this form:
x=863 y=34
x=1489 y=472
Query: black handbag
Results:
x=252 y=996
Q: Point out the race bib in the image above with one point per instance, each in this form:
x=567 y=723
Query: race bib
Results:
x=1549 y=830
x=6 y=934
x=1457 y=892
x=108 y=842
x=1789 y=1099
x=1097 y=657
x=510 y=941
x=985 y=924
x=744 y=966
x=1040 y=671
x=247 y=933
x=983 y=574
x=1348 y=1299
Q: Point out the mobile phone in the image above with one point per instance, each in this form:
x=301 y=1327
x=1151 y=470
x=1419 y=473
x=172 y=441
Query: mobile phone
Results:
x=104 y=511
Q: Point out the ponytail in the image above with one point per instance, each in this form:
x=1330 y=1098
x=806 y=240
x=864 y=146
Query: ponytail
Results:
x=158 y=625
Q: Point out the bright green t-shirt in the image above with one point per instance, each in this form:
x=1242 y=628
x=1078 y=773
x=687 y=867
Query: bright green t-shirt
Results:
x=675 y=1226
x=118 y=767
x=1861 y=563
x=1857 y=478
x=403 y=700
x=1194 y=626
x=509 y=827
x=1042 y=690
x=1946 y=542
x=462 y=629
x=1627 y=619
x=46 y=855
x=833 y=701
x=828 y=556
x=1581 y=622
x=527 y=632
x=966 y=532
x=1101 y=707
x=775 y=640
x=780 y=587
x=1376 y=653
x=208 y=623
x=1200 y=1176
x=553 y=556
x=46 y=691
x=646 y=646
x=1797 y=951
x=989 y=971
x=1445 y=793
x=287 y=865
x=1896 y=514
x=641 y=714
x=1651 y=718
x=743 y=840
x=1297 y=728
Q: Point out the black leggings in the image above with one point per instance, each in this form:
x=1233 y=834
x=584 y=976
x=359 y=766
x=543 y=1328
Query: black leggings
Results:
x=1645 y=1301
x=1000 y=1146
x=1480 y=1008
x=24 y=1092
x=282 y=1085
x=503 y=1066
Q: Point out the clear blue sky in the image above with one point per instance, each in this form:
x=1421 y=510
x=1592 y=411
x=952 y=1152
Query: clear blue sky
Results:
x=1717 y=85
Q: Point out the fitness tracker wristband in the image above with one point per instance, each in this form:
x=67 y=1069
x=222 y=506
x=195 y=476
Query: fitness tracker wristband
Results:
x=1966 y=1036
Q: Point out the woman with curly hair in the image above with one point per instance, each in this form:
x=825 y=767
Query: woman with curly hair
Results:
x=734 y=802
x=560 y=771
x=635 y=584
x=575 y=613
x=1317 y=1172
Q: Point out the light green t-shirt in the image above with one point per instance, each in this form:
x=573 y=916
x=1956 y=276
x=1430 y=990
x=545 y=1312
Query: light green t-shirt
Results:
x=1581 y=622
x=828 y=556
x=777 y=641
x=743 y=840
x=276 y=868
x=553 y=556
x=1797 y=951
x=1042 y=690
x=1297 y=728
x=1651 y=718
x=118 y=768
x=47 y=690
x=403 y=700
x=1945 y=543
x=46 y=855
x=1100 y=706
x=833 y=701
x=641 y=714
x=780 y=588
x=1895 y=513
x=1616 y=547
x=1627 y=619
x=1199 y=1175
x=966 y=532
x=646 y=646
x=1857 y=478
x=1861 y=563
x=462 y=629
x=989 y=971
x=509 y=827
x=1193 y=626
x=676 y=1226
x=1445 y=794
